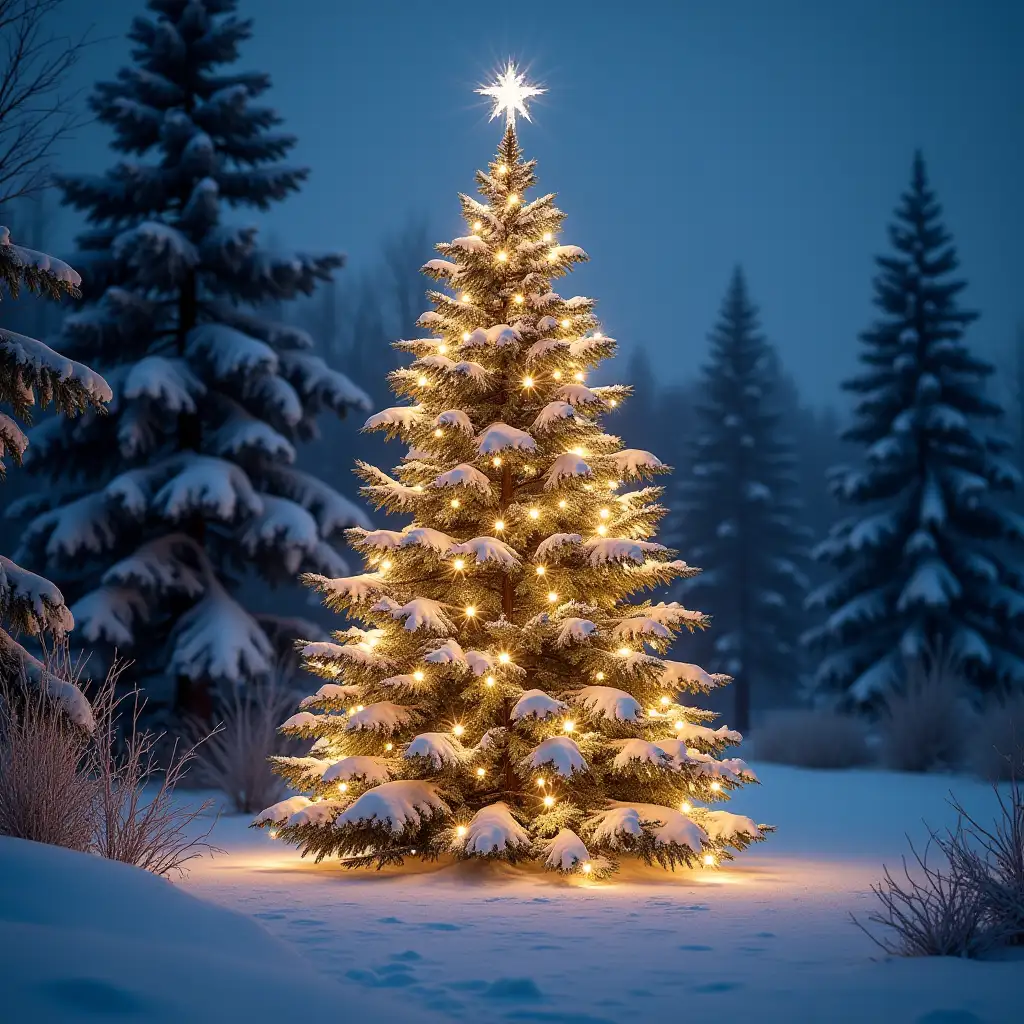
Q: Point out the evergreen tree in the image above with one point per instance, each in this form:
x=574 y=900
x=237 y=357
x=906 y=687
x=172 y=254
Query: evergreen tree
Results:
x=921 y=564
x=31 y=374
x=189 y=485
x=501 y=698
x=740 y=513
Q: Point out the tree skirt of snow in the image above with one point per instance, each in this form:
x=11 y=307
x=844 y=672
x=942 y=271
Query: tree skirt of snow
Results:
x=87 y=939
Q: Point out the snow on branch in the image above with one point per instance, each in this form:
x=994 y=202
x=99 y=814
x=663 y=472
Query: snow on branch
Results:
x=493 y=831
x=396 y=805
x=499 y=437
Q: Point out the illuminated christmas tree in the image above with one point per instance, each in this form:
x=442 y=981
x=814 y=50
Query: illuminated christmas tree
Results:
x=502 y=698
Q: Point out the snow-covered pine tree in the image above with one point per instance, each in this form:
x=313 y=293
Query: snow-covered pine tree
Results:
x=739 y=512
x=31 y=374
x=923 y=563
x=501 y=697
x=165 y=505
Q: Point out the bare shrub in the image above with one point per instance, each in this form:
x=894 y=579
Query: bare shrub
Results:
x=931 y=911
x=234 y=759
x=47 y=790
x=997 y=743
x=812 y=738
x=992 y=861
x=924 y=725
x=137 y=819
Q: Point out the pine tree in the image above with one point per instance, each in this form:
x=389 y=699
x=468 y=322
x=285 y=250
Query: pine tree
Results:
x=740 y=513
x=31 y=374
x=501 y=698
x=188 y=487
x=922 y=563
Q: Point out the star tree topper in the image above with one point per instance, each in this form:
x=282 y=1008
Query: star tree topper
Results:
x=510 y=92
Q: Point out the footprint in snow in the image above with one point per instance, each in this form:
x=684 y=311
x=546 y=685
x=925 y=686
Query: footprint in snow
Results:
x=389 y=920
x=441 y=926
x=696 y=949
x=717 y=986
x=765 y=935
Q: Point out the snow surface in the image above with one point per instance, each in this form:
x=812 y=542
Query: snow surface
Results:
x=482 y=941
x=87 y=939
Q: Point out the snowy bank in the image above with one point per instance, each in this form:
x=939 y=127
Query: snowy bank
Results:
x=87 y=939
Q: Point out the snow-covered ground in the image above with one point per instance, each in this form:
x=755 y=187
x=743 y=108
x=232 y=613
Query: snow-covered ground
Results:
x=769 y=937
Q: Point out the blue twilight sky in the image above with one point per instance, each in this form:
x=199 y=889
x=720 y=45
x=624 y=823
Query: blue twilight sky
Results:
x=681 y=137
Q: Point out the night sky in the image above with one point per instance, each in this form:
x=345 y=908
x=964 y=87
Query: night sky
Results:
x=681 y=137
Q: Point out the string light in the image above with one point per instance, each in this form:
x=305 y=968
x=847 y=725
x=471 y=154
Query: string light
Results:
x=389 y=747
x=470 y=611
x=442 y=349
x=534 y=513
x=541 y=570
x=459 y=564
x=565 y=323
x=552 y=597
x=686 y=807
x=499 y=526
x=604 y=513
x=586 y=867
x=716 y=786
x=557 y=374
x=466 y=335
x=455 y=503
x=343 y=786
x=562 y=503
x=624 y=652
x=477 y=225
x=422 y=381
x=386 y=564
x=481 y=772
x=513 y=199
x=613 y=402
x=602 y=529
x=502 y=256
x=578 y=375
x=360 y=707
x=599 y=676
x=613 y=485
x=438 y=432
x=418 y=675
x=504 y=657
x=678 y=725
x=547 y=236
x=458 y=730
x=496 y=461
x=519 y=300
x=665 y=700
x=549 y=801
x=460 y=831
x=527 y=382
x=541 y=782
x=272 y=833
x=568 y=725
x=465 y=296
x=709 y=860
x=489 y=680
x=502 y=169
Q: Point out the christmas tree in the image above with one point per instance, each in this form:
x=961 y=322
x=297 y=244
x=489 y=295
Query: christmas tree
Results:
x=739 y=512
x=925 y=564
x=190 y=484
x=31 y=374
x=501 y=697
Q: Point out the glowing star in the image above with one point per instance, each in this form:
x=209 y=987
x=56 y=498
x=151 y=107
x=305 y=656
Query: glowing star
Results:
x=510 y=92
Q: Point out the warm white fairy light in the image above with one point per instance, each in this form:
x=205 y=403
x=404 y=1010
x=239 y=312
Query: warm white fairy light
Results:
x=562 y=503
x=686 y=807
x=547 y=236
x=343 y=786
x=481 y=772
x=422 y=381
x=578 y=375
x=586 y=867
x=513 y=199
x=504 y=657
x=602 y=529
x=665 y=700
x=386 y=564
x=678 y=725
x=502 y=168
x=599 y=676
x=519 y=300
x=438 y=432
x=541 y=570
x=466 y=335
x=389 y=747
x=461 y=830
x=272 y=833
x=502 y=256
x=534 y=513
x=613 y=485
x=527 y=382
x=716 y=786
x=624 y=652
x=458 y=729
x=499 y=526
x=709 y=860
x=604 y=513
x=465 y=296
x=459 y=564
x=496 y=461
x=489 y=681
x=418 y=675
x=541 y=781
x=613 y=402
x=477 y=225
x=470 y=611
x=549 y=801
x=552 y=597
x=442 y=349
x=568 y=725
x=557 y=374
x=565 y=323
x=455 y=503
x=360 y=707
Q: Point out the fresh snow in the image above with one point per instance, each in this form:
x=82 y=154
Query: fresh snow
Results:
x=488 y=549
x=464 y=475
x=440 y=748
x=373 y=770
x=395 y=804
x=564 y=468
x=384 y=716
x=499 y=437
x=559 y=751
x=770 y=929
x=493 y=830
x=608 y=702
x=551 y=544
x=566 y=852
x=536 y=704
x=574 y=630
